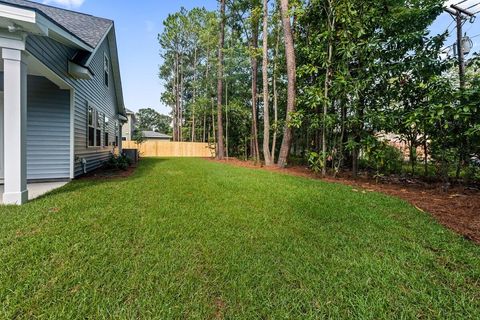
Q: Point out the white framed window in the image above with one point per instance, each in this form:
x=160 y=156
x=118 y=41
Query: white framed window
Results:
x=106 y=70
x=91 y=127
x=95 y=127
x=106 y=140
x=117 y=130
x=98 y=129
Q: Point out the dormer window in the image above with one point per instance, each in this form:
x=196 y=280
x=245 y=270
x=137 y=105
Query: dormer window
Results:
x=106 y=70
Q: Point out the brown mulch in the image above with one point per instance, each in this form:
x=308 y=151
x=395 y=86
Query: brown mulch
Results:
x=105 y=174
x=458 y=208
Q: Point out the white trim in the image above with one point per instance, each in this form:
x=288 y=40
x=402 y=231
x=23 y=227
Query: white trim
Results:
x=96 y=114
x=19 y=14
x=12 y=41
x=94 y=52
x=2 y=150
x=116 y=76
x=57 y=33
x=106 y=70
x=114 y=62
x=15 y=127
x=72 y=133
x=31 y=21
x=46 y=72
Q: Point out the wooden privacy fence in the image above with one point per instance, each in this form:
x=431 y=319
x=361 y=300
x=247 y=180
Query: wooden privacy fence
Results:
x=153 y=148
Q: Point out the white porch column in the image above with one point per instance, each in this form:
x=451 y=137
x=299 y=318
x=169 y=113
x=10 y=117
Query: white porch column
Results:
x=15 y=127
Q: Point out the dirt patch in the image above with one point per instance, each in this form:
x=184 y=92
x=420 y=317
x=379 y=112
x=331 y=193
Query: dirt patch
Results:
x=219 y=308
x=105 y=174
x=458 y=208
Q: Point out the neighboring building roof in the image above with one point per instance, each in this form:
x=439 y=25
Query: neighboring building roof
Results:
x=89 y=29
x=128 y=111
x=155 y=135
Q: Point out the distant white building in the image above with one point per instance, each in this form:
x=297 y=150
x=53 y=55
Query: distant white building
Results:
x=129 y=127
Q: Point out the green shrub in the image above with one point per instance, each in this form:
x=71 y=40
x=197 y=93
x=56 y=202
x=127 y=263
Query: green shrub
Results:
x=118 y=162
x=381 y=157
x=315 y=161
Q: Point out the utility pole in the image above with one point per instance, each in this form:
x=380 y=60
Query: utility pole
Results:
x=460 y=15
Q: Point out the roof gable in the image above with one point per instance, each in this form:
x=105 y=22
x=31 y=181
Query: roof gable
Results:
x=89 y=29
x=155 y=135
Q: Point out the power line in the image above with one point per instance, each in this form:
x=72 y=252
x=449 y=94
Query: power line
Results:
x=453 y=29
x=469 y=28
x=450 y=26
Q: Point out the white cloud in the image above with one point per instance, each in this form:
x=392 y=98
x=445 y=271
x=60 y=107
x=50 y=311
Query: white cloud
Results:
x=70 y=4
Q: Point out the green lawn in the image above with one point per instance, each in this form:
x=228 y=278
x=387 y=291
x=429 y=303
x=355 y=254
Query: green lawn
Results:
x=189 y=238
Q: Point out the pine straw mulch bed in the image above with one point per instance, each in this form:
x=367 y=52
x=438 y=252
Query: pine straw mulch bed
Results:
x=458 y=208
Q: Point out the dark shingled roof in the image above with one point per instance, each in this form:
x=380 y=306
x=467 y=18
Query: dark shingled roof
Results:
x=155 y=135
x=87 y=28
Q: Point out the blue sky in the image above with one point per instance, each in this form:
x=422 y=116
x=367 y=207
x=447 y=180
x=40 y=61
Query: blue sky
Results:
x=138 y=23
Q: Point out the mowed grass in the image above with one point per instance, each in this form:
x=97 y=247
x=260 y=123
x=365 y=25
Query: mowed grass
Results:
x=193 y=239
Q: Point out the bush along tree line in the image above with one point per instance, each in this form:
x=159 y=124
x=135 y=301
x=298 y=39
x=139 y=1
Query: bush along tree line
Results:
x=320 y=82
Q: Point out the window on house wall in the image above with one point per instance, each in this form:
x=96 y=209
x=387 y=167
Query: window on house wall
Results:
x=98 y=129
x=91 y=127
x=106 y=140
x=117 y=130
x=106 y=70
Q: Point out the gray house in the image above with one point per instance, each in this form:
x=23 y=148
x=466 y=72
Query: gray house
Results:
x=61 y=102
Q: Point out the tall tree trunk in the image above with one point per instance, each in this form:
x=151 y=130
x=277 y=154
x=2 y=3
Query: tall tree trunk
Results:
x=358 y=137
x=208 y=92
x=342 y=139
x=275 y=94
x=425 y=155
x=226 y=118
x=180 y=114
x=266 y=112
x=213 y=123
x=174 y=113
x=331 y=24
x=254 y=66
x=291 y=88
x=221 y=41
x=194 y=93
x=204 y=126
x=177 y=98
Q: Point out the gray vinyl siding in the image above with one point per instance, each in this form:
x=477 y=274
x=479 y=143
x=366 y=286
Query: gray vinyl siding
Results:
x=56 y=56
x=48 y=130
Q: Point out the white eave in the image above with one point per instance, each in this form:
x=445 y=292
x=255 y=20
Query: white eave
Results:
x=33 y=22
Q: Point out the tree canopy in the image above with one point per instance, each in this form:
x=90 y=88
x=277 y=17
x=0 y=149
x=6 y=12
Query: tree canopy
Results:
x=337 y=79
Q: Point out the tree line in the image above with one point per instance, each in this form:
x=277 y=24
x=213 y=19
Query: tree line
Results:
x=323 y=82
